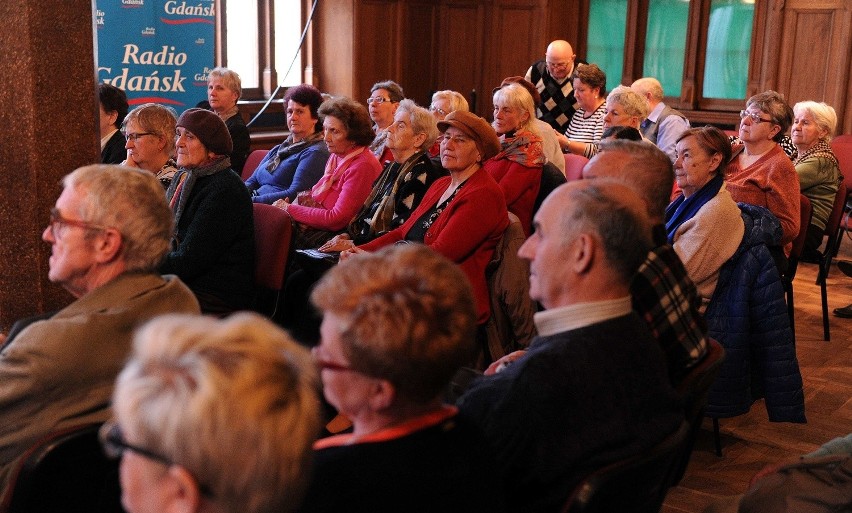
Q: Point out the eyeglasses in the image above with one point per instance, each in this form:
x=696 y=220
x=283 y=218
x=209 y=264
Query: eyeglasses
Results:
x=136 y=136
x=114 y=445
x=57 y=222
x=442 y=112
x=557 y=65
x=378 y=100
x=113 y=442
x=755 y=118
x=324 y=364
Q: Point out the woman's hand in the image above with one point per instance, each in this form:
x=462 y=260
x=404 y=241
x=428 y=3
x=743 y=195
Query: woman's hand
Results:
x=305 y=199
x=349 y=252
x=129 y=162
x=340 y=242
x=503 y=362
x=282 y=204
x=563 y=140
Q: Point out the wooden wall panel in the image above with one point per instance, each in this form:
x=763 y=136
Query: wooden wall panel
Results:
x=420 y=47
x=378 y=44
x=334 y=45
x=461 y=41
x=516 y=40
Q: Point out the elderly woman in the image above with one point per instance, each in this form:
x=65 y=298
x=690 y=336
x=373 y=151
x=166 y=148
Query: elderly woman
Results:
x=224 y=88
x=397 y=325
x=462 y=216
x=325 y=210
x=586 y=125
x=113 y=108
x=395 y=195
x=624 y=107
x=383 y=102
x=296 y=164
x=760 y=173
x=213 y=244
x=444 y=102
x=150 y=133
x=703 y=224
x=196 y=394
x=816 y=165
x=517 y=168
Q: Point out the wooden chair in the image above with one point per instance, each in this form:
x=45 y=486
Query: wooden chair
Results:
x=805 y=213
x=252 y=162
x=574 y=165
x=638 y=484
x=273 y=232
x=66 y=471
x=834 y=233
x=693 y=389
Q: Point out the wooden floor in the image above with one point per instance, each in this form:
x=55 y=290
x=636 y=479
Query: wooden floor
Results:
x=750 y=441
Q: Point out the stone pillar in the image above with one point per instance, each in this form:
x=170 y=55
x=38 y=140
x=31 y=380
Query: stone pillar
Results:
x=48 y=128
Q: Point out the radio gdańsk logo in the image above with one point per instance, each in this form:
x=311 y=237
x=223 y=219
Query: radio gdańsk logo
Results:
x=132 y=4
x=180 y=13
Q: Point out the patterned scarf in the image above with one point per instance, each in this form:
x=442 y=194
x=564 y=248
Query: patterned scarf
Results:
x=377 y=213
x=523 y=147
x=379 y=143
x=822 y=149
x=288 y=148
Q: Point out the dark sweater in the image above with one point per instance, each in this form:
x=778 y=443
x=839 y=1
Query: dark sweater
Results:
x=576 y=401
x=442 y=468
x=215 y=234
x=241 y=139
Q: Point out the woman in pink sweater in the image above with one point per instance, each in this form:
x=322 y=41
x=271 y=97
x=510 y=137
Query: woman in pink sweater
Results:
x=325 y=210
x=760 y=173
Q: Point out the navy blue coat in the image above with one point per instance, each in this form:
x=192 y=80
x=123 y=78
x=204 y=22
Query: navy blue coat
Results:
x=748 y=316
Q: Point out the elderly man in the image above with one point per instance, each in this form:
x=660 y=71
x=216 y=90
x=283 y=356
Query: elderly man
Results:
x=552 y=78
x=592 y=388
x=662 y=292
x=108 y=232
x=664 y=124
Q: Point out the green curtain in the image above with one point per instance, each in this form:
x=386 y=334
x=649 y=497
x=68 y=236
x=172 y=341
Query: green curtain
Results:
x=728 y=45
x=665 y=43
x=607 y=22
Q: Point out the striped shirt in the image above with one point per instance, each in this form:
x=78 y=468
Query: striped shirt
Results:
x=587 y=129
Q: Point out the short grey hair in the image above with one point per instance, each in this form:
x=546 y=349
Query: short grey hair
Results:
x=233 y=401
x=647 y=170
x=456 y=99
x=624 y=232
x=633 y=103
x=422 y=122
x=823 y=114
x=157 y=119
x=230 y=78
x=131 y=201
x=774 y=104
x=650 y=86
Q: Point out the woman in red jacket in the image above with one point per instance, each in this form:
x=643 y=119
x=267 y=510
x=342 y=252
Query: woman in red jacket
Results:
x=517 y=168
x=462 y=216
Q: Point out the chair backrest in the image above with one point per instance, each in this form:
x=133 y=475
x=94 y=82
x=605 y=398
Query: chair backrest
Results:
x=693 y=390
x=252 y=161
x=551 y=178
x=67 y=471
x=272 y=234
x=805 y=213
x=637 y=484
x=832 y=226
x=574 y=165
x=842 y=148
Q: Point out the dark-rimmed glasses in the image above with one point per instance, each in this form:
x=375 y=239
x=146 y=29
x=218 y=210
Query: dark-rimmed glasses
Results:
x=133 y=137
x=57 y=221
x=114 y=444
x=755 y=118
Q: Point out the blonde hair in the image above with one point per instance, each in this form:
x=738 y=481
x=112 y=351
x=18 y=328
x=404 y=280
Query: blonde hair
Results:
x=517 y=97
x=233 y=401
x=157 y=119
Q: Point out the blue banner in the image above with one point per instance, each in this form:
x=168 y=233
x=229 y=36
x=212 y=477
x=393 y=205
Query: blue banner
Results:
x=157 y=51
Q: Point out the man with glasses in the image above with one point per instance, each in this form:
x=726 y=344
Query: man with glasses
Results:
x=108 y=232
x=552 y=78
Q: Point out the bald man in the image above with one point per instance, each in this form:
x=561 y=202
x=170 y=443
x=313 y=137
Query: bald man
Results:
x=592 y=388
x=552 y=78
x=664 y=124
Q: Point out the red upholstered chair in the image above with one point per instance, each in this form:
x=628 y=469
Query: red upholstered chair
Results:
x=273 y=232
x=574 y=165
x=252 y=161
x=842 y=147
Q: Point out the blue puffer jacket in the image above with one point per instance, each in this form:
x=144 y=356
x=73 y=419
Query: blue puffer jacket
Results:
x=748 y=316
